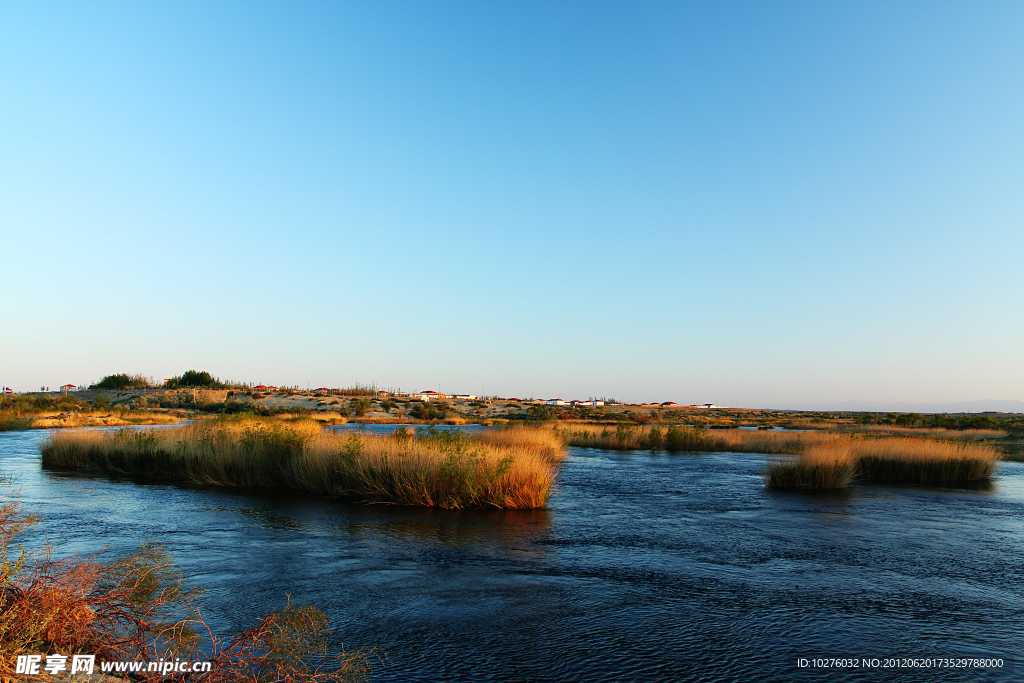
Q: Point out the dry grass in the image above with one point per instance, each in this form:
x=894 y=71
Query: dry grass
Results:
x=820 y=467
x=330 y=417
x=544 y=442
x=115 y=418
x=629 y=437
x=921 y=461
x=887 y=459
x=137 y=608
x=434 y=467
x=687 y=439
x=53 y=419
x=817 y=459
x=961 y=434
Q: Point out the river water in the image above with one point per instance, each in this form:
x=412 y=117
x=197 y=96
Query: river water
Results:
x=651 y=567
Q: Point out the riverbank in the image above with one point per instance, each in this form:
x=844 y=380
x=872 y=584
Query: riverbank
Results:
x=112 y=407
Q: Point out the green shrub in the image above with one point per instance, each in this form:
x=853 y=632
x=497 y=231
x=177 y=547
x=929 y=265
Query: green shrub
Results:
x=423 y=410
x=123 y=381
x=358 y=406
x=194 y=379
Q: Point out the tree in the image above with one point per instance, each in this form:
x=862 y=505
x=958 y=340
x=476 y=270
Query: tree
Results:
x=194 y=379
x=359 y=406
x=123 y=381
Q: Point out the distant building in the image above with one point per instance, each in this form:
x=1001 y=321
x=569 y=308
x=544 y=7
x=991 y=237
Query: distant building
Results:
x=588 y=403
x=669 y=403
x=465 y=397
x=555 y=402
x=429 y=396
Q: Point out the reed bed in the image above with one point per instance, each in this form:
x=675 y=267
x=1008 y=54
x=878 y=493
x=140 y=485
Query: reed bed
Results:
x=921 y=461
x=445 y=468
x=819 y=467
x=934 y=433
x=691 y=439
x=812 y=460
x=629 y=437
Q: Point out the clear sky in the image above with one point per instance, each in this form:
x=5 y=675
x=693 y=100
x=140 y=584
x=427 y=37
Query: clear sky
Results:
x=746 y=203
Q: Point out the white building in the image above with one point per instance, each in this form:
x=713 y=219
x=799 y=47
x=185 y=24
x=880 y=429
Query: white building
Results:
x=429 y=396
x=555 y=402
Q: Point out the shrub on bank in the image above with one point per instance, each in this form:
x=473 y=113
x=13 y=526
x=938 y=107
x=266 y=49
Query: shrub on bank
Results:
x=10 y=421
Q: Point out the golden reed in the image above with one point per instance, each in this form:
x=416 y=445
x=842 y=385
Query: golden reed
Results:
x=812 y=460
x=450 y=469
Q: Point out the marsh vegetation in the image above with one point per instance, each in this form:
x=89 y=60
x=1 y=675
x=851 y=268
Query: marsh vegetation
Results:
x=812 y=460
x=431 y=467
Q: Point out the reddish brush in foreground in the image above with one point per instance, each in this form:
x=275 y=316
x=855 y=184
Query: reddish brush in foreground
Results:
x=136 y=608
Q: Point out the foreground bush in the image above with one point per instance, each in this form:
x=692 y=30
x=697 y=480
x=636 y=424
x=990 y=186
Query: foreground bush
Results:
x=137 y=608
x=445 y=468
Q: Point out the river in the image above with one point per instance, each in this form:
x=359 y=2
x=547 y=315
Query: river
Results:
x=651 y=567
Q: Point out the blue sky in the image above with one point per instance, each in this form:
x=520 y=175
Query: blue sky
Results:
x=746 y=203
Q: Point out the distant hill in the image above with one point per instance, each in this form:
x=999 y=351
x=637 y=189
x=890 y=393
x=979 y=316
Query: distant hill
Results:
x=1002 y=406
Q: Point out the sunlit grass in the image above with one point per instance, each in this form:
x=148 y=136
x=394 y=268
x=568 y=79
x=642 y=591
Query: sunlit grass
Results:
x=962 y=434
x=921 y=461
x=98 y=418
x=816 y=459
x=445 y=468
x=818 y=467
